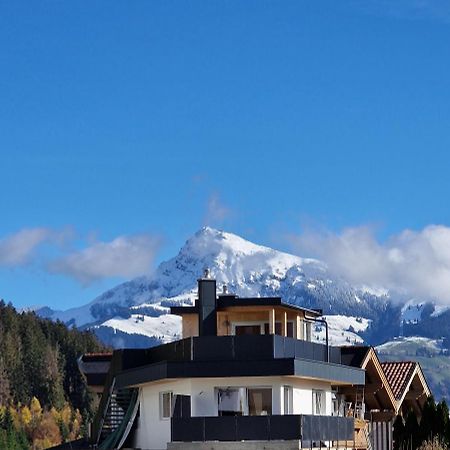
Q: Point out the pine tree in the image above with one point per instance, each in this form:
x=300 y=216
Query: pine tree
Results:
x=5 y=393
x=429 y=422
x=7 y=420
x=412 y=435
x=399 y=432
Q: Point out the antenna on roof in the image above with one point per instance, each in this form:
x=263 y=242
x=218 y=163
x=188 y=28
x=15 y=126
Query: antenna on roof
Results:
x=207 y=274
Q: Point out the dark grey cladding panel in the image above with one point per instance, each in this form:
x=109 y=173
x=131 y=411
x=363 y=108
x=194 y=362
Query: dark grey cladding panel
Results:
x=209 y=369
x=216 y=369
x=325 y=428
x=289 y=348
x=204 y=369
x=253 y=428
x=262 y=428
x=327 y=371
x=152 y=372
x=285 y=427
x=188 y=429
x=220 y=428
x=335 y=355
x=248 y=348
x=304 y=349
x=212 y=348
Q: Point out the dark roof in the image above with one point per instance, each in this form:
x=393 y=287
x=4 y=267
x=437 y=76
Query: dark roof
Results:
x=229 y=301
x=179 y=310
x=354 y=355
x=398 y=375
x=97 y=357
x=243 y=368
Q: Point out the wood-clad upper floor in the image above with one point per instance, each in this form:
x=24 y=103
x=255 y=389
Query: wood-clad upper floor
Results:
x=252 y=316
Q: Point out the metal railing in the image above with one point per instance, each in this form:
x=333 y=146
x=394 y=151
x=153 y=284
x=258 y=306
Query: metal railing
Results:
x=258 y=347
x=262 y=428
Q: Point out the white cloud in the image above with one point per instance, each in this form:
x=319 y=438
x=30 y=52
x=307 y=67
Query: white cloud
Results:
x=216 y=211
x=19 y=248
x=415 y=263
x=125 y=256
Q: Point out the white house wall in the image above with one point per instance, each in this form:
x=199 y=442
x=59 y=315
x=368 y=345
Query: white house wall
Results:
x=302 y=395
x=153 y=433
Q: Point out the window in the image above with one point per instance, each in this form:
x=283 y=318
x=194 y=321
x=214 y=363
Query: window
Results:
x=318 y=403
x=288 y=400
x=231 y=401
x=259 y=401
x=279 y=328
x=240 y=401
x=243 y=328
x=165 y=405
x=307 y=331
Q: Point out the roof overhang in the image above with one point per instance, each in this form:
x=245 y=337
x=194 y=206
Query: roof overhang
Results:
x=229 y=302
x=302 y=368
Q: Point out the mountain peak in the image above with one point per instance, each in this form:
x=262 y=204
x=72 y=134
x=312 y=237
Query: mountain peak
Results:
x=210 y=241
x=248 y=269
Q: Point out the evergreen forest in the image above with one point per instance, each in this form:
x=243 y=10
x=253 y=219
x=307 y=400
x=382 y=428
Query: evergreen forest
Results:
x=43 y=396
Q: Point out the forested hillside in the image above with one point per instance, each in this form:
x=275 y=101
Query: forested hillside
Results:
x=43 y=397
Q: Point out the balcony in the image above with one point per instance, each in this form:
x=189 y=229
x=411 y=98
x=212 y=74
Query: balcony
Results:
x=304 y=428
x=231 y=356
x=249 y=348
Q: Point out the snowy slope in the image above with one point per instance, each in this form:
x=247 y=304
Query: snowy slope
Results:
x=411 y=346
x=166 y=328
x=342 y=330
x=412 y=311
x=248 y=270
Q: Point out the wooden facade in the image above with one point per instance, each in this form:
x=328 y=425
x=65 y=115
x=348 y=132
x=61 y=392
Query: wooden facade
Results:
x=274 y=320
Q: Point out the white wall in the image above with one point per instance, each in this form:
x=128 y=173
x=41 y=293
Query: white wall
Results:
x=302 y=395
x=154 y=433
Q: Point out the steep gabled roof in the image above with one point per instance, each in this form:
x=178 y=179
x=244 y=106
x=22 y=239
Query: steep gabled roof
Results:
x=378 y=391
x=399 y=374
x=408 y=383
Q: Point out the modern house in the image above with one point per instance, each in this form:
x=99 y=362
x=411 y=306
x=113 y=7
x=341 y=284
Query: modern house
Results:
x=245 y=375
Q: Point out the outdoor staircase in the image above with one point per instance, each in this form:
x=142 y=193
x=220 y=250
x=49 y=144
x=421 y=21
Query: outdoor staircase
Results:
x=116 y=411
x=114 y=415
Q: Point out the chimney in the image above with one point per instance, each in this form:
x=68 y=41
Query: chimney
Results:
x=207 y=304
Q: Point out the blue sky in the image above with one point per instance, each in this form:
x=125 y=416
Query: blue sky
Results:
x=129 y=125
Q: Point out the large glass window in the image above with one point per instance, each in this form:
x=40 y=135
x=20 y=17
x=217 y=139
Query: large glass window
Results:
x=279 y=329
x=165 y=404
x=259 y=401
x=318 y=403
x=243 y=328
x=231 y=401
x=239 y=401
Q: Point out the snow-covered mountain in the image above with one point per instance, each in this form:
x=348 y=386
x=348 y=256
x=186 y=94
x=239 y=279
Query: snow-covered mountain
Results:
x=138 y=309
